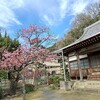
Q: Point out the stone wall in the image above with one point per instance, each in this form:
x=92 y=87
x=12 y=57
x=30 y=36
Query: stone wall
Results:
x=87 y=85
x=5 y=84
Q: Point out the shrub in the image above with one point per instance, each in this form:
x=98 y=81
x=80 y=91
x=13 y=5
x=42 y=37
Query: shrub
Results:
x=29 y=88
x=54 y=80
x=52 y=87
x=50 y=81
x=1 y=92
x=3 y=74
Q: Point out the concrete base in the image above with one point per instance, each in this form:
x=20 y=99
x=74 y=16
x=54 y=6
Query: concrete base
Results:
x=68 y=85
x=62 y=85
x=65 y=85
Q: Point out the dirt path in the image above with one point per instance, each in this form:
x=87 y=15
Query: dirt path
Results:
x=46 y=93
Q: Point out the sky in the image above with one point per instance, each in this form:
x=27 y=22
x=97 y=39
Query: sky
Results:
x=55 y=14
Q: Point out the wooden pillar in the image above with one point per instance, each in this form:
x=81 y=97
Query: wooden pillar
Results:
x=79 y=67
x=63 y=66
x=90 y=69
x=69 y=65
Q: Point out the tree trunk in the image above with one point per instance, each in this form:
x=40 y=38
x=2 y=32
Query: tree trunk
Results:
x=13 y=86
x=24 y=91
x=13 y=78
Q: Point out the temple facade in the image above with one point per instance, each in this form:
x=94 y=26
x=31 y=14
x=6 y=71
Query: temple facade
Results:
x=83 y=56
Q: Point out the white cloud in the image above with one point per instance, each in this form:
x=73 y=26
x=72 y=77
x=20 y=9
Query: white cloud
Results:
x=51 y=12
x=56 y=12
x=78 y=6
x=63 y=8
x=47 y=19
x=14 y=4
x=7 y=15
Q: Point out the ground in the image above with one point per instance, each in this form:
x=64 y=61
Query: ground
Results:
x=46 y=93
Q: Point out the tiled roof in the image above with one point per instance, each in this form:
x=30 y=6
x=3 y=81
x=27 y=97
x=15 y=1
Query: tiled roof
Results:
x=89 y=32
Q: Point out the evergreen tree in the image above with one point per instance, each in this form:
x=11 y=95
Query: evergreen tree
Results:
x=8 y=43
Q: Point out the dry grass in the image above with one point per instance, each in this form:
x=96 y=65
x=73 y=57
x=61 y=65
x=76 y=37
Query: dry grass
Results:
x=78 y=95
x=30 y=96
x=63 y=95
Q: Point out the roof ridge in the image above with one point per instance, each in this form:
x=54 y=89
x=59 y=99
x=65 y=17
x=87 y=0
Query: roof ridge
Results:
x=92 y=25
x=86 y=29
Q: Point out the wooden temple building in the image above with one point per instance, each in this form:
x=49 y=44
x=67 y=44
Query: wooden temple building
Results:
x=83 y=56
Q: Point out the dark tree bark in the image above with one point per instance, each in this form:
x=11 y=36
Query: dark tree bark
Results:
x=13 y=78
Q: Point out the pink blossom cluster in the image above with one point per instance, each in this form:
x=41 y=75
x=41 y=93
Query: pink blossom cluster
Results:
x=24 y=55
x=33 y=33
x=30 y=53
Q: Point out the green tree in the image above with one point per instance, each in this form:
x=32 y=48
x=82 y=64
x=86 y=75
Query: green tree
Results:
x=3 y=74
x=8 y=43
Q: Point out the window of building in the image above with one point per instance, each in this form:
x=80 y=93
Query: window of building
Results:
x=50 y=66
x=53 y=72
x=98 y=60
x=84 y=63
x=95 y=60
x=73 y=65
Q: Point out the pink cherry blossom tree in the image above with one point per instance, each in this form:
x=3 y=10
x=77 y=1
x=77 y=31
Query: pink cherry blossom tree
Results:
x=32 y=51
